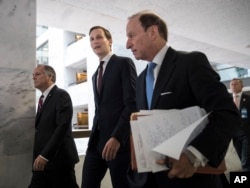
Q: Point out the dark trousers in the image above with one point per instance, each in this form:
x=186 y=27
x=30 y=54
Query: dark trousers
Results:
x=94 y=169
x=54 y=179
x=242 y=147
x=161 y=180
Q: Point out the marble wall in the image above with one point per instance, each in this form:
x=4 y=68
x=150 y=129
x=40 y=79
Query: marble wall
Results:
x=17 y=94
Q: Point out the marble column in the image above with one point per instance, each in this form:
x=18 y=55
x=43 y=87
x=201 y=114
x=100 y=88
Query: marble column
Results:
x=17 y=94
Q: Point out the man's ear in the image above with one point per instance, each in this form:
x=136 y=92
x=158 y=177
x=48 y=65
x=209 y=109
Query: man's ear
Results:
x=110 y=41
x=153 y=31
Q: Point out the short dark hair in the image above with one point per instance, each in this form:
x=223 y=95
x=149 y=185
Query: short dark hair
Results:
x=148 y=19
x=106 y=32
x=237 y=79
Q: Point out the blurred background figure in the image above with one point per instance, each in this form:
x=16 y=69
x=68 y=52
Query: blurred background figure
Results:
x=242 y=141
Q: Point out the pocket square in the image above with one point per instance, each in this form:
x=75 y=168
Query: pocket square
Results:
x=166 y=93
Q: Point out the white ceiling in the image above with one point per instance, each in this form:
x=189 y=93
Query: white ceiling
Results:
x=219 y=28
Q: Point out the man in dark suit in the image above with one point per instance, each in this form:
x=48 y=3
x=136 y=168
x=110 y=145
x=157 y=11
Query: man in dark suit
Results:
x=114 y=94
x=54 y=154
x=242 y=141
x=181 y=79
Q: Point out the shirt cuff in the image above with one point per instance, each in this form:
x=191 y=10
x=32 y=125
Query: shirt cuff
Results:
x=198 y=155
x=43 y=158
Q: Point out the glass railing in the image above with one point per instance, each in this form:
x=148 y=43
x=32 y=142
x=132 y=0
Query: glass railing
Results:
x=229 y=72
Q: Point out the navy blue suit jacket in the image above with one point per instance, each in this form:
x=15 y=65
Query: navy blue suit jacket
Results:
x=115 y=103
x=185 y=80
x=245 y=122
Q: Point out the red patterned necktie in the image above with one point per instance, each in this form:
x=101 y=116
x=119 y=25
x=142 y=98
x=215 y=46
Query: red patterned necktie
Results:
x=40 y=103
x=99 y=83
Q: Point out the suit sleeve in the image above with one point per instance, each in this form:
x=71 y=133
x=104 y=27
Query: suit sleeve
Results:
x=212 y=95
x=128 y=80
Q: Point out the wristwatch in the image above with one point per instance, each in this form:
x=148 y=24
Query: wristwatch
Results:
x=193 y=159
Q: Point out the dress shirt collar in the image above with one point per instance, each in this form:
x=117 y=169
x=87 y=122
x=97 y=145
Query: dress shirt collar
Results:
x=160 y=55
x=106 y=60
x=46 y=92
x=158 y=59
x=238 y=94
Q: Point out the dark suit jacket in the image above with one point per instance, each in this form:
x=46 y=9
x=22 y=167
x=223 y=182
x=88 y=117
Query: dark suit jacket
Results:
x=190 y=80
x=53 y=133
x=116 y=102
x=245 y=124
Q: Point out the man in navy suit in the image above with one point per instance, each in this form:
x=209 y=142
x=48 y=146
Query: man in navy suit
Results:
x=181 y=79
x=54 y=153
x=242 y=141
x=114 y=96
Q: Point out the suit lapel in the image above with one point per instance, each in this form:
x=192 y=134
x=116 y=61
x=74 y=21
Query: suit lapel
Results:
x=104 y=78
x=94 y=81
x=107 y=72
x=45 y=103
x=243 y=100
x=167 y=68
x=141 y=90
x=108 y=69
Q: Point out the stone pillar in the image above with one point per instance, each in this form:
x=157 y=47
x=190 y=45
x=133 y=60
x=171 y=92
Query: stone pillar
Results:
x=17 y=94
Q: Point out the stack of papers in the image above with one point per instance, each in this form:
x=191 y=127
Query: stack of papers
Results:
x=160 y=133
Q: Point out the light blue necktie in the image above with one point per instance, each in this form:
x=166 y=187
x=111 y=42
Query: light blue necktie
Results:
x=150 y=82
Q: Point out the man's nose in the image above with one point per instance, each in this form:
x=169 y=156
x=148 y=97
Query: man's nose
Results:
x=128 y=45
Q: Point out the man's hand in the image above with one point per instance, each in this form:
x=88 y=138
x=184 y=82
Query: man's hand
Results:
x=110 y=149
x=39 y=164
x=181 y=168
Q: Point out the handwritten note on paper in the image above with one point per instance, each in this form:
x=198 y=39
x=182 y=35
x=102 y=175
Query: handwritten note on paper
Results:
x=181 y=139
x=141 y=161
x=142 y=158
x=151 y=131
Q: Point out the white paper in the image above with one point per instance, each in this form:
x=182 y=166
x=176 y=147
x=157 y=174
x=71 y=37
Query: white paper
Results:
x=142 y=163
x=157 y=128
x=176 y=144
